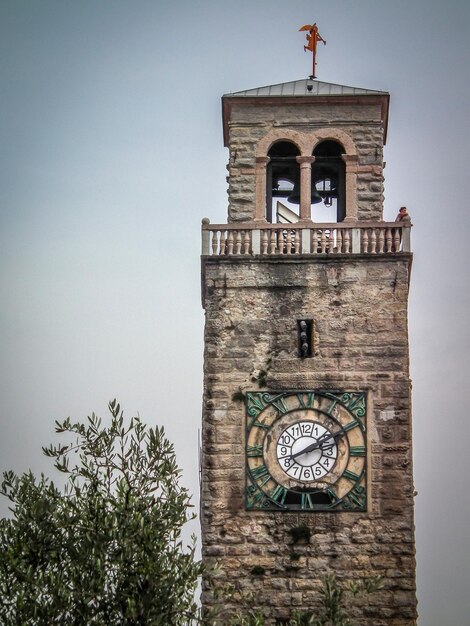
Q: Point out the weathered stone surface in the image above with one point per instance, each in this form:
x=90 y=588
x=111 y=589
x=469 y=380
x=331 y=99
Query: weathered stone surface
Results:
x=250 y=125
x=359 y=310
x=359 y=307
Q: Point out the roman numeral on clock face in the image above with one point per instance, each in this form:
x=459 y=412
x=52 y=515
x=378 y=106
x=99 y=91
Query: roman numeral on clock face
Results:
x=261 y=472
x=255 y=497
x=279 y=494
x=254 y=451
x=306 y=501
x=357 y=451
x=330 y=409
x=280 y=406
x=306 y=400
x=350 y=475
x=332 y=494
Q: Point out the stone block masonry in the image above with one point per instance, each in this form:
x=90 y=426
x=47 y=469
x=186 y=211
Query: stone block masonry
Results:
x=361 y=124
x=359 y=310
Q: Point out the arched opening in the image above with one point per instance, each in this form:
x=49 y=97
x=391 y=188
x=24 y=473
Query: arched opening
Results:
x=329 y=182
x=283 y=183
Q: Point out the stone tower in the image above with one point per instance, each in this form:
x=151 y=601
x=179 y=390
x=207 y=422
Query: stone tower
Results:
x=307 y=451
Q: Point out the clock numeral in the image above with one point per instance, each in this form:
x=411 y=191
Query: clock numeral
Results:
x=306 y=501
x=350 y=476
x=297 y=430
x=350 y=426
x=254 y=451
x=330 y=409
x=255 y=498
x=261 y=472
x=280 y=406
x=306 y=400
x=332 y=495
x=357 y=451
x=295 y=469
x=279 y=494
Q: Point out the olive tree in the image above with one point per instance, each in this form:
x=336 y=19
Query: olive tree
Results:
x=105 y=549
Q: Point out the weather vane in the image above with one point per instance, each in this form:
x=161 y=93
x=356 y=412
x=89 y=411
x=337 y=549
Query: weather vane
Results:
x=313 y=36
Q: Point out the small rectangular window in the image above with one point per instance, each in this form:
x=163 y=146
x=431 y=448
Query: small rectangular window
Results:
x=305 y=335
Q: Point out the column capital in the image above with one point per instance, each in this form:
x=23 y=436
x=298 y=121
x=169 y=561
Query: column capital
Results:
x=350 y=158
x=262 y=160
x=305 y=160
x=351 y=163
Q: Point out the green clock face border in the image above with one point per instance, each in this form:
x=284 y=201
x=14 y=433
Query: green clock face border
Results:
x=306 y=451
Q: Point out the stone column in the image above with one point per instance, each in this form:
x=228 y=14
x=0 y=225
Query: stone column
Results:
x=260 y=192
x=351 y=186
x=305 y=163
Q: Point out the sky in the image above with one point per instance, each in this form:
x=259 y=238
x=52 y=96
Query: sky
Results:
x=111 y=153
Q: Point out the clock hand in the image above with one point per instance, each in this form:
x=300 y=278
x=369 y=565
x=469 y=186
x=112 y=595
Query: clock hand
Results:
x=339 y=433
x=309 y=448
x=318 y=443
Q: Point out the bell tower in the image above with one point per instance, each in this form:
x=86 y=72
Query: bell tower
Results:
x=307 y=450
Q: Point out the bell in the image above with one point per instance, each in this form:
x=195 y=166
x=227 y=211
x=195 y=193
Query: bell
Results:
x=316 y=197
x=294 y=196
x=327 y=187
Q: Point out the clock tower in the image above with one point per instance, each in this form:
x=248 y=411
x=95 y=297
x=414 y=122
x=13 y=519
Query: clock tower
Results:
x=306 y=448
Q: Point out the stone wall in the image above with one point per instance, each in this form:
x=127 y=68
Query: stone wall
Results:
x=359 y=307
x=250 y=124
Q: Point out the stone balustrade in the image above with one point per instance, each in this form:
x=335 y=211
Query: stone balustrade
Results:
x=249 y=239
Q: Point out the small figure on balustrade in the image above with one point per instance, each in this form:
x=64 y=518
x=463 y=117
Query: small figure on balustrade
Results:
x=403 y=215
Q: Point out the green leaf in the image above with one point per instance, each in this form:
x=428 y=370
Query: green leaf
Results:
x=105 y=549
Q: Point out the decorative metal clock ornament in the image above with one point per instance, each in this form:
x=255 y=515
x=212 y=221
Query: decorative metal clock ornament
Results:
x=306 y=451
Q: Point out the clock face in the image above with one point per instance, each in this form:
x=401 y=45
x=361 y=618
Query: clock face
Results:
x=306 y=450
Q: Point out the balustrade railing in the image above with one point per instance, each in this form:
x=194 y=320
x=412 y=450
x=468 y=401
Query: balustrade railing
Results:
x=242 y=239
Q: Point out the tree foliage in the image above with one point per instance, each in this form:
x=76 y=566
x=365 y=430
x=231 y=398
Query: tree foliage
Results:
x=106 y=549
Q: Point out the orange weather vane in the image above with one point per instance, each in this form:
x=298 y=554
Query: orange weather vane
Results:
x=313 y=37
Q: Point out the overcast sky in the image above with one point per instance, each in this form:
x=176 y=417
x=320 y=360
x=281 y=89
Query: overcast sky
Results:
x=111 y=152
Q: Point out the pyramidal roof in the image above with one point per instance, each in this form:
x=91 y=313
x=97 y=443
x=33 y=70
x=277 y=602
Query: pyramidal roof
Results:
x=305 y=87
